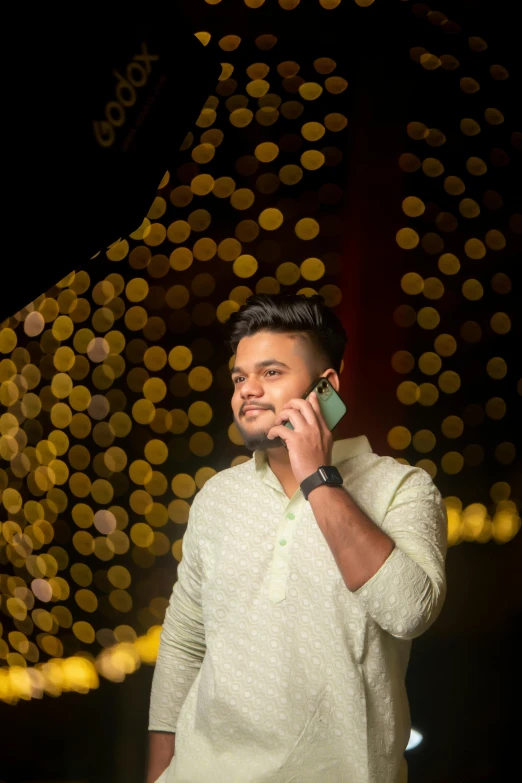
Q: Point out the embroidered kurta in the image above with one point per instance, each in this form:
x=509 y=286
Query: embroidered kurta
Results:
x=270 y=670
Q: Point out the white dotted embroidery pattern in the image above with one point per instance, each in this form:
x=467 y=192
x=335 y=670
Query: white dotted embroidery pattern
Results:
x=308 y=687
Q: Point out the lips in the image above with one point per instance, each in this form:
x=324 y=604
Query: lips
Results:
x=254 y=410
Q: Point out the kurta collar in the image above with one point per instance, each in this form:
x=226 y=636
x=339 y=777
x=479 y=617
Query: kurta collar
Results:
x=341 y=451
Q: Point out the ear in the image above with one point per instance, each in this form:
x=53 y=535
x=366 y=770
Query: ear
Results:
x=333 y=377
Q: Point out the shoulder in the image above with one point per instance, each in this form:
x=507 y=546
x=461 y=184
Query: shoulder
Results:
x=385 y=471
x=225 y=482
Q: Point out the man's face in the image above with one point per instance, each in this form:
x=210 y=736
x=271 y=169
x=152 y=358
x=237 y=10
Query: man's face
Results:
x=287 y=373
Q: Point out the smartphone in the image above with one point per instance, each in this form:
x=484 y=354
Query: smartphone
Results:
x=331 y=405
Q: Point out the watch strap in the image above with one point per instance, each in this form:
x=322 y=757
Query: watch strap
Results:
x=318 y=478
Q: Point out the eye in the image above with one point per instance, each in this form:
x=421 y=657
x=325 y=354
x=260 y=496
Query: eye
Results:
x=238 y=378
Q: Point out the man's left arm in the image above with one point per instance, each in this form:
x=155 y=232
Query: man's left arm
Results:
x=395 y=569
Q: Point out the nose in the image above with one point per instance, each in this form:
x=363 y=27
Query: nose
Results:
x=251 y=388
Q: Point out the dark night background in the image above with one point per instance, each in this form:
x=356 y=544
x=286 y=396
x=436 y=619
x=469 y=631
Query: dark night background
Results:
x=464 y=677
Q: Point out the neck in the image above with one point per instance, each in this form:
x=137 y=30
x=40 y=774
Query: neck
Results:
x=279 y=461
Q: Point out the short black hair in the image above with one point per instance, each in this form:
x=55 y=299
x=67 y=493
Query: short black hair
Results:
x=307 y=316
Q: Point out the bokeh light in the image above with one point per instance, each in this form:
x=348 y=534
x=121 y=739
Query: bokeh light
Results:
x=114 y=392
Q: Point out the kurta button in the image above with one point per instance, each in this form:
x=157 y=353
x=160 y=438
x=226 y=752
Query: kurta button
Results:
x=282 y=542
x=290 y=516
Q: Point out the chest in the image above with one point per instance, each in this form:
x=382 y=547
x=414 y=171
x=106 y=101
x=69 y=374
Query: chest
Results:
x=272 y=552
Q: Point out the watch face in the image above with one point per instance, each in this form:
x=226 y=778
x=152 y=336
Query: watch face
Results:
x=331 y=474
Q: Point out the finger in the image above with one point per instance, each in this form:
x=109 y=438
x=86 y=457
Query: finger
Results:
x=313 y=406
x=314 y=402
x=304 y=407
x=291 y=414
x=279 y=430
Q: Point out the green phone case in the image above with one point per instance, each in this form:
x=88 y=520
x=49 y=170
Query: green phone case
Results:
x=332 y=406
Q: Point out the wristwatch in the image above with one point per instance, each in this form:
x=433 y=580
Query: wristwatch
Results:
x=326 y=474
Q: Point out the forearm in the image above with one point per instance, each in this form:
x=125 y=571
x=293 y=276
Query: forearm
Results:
x=358 y=545
x=161 y=750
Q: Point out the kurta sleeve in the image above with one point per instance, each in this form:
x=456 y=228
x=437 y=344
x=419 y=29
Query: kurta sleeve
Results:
x=405 y=596
x=182 y=641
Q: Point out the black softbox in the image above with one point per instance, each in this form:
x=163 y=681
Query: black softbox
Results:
x=97 y=104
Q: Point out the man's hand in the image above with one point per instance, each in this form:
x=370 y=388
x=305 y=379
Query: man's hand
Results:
x=310 y=443
x=161 y=750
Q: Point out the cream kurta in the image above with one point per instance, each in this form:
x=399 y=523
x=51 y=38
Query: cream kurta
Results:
x=269 y=669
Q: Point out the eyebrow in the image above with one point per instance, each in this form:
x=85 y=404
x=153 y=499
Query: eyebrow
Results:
x=260 y=365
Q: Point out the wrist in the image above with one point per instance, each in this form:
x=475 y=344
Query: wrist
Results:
x=323 y=489
x=325 y=475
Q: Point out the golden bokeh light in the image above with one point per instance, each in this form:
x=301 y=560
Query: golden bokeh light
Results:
x=110 y=420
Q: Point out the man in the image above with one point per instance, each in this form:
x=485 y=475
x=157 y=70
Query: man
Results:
x=285 y=645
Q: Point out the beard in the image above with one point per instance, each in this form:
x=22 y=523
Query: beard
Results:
x=257 y=440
